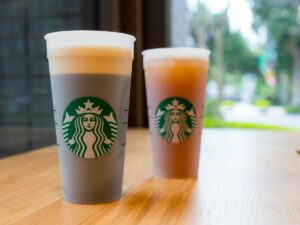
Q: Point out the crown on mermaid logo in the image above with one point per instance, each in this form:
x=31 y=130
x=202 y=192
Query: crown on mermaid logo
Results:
x=88 y=108
x=175 y=105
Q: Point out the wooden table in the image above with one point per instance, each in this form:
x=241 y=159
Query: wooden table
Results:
x=246 y=177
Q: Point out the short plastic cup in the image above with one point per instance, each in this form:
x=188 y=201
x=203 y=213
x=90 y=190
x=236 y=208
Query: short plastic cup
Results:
x=90 y=74
x=175 y=83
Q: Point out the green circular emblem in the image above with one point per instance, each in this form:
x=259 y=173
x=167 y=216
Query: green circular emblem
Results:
x=175 y=119
x=89 y=127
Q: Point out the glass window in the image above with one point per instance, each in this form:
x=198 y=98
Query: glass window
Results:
x=254 y=75
x=26 y=117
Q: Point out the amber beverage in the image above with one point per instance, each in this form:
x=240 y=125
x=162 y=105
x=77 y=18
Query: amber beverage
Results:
x=175 y=83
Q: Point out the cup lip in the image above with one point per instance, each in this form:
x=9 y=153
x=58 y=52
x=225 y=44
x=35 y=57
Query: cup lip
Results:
x=176 y=52
x=89 y=33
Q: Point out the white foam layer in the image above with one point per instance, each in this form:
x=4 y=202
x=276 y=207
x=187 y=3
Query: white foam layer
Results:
x=166 y=54
x=85 y=38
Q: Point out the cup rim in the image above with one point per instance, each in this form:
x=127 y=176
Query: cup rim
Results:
x=89 y=33
x=176 y=50
x=175 y=53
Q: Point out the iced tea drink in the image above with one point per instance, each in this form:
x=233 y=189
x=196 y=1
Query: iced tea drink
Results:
x=175 y=83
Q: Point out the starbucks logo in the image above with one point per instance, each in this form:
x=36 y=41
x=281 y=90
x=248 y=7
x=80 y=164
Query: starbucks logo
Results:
x=175 y=119
x=89 y=127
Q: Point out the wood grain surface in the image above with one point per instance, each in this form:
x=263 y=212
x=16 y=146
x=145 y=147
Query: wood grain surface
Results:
x=246 y=178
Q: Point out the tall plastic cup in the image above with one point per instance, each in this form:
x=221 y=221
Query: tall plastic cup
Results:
x=175 y=83
x=90 y=74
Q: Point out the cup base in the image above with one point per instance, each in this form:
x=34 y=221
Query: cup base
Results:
x=88 y=201
x=174 y=176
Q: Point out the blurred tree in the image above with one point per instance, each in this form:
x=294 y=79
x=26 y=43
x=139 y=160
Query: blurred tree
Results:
x=239 y=57
x=205 y=27
x=201 y=26
x=230 y=51
x=282 y=20
x=220 y=22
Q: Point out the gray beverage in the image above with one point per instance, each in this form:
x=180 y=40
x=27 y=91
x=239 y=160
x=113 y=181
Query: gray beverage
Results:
x=90 y=74
x=98 y=179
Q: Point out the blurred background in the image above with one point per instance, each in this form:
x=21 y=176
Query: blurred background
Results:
x=254 y=77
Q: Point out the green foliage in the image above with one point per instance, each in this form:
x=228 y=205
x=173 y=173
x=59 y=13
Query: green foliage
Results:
x=262 y=103
x=292 y=109
x=264 y=91
x=238 y=56
x=233 y=78
x=211 y=109
x=212 y=123
x=227 y=103
x=280 y=18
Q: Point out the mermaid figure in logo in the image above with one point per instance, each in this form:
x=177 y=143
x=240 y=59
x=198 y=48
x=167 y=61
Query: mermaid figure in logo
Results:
x=175 y=126
x=89 y=135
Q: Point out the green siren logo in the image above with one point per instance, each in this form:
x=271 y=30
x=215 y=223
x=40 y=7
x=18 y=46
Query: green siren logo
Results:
x=175 y=119
x=89 y=127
